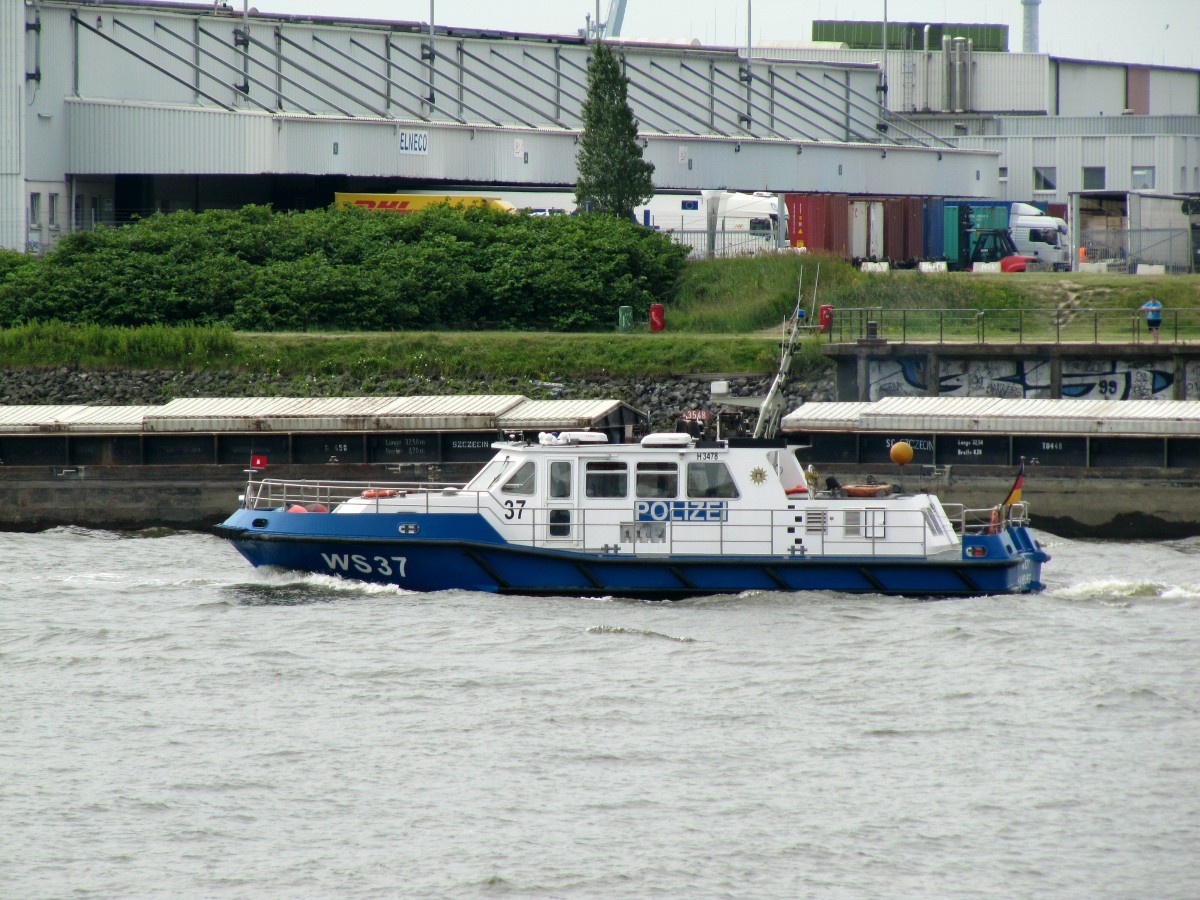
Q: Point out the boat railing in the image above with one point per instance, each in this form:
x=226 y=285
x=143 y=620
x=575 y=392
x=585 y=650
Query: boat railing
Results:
x=272 y=493
x=877 y=532
x=986 y=521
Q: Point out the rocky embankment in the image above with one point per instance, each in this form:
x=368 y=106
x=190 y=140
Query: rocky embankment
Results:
x=663 y=399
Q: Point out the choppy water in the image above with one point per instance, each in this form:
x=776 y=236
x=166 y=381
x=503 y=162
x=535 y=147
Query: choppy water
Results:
x=175 y=723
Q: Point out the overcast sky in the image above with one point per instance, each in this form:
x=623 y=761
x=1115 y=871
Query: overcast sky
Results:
x=1164 y=32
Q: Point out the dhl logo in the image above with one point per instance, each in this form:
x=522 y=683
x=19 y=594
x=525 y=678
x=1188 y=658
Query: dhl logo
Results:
x=385 y=205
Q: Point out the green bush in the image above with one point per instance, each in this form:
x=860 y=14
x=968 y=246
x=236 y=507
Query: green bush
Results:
x=346 y=269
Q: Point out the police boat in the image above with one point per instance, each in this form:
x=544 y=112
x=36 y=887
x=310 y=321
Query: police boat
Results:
x=668 y=517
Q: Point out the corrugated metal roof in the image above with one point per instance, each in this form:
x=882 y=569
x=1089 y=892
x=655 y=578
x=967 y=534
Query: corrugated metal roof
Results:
x=268 y=414
x=453 y=405
x=468 y=412
x=34 y=415
x=825 y=416
x=48 y=418
x=552 y=414
x=993 y=414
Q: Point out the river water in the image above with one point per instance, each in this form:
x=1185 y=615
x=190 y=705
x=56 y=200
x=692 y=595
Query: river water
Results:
x=177 y=724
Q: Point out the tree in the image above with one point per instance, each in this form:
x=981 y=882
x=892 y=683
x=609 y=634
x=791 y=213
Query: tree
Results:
x=613 y=177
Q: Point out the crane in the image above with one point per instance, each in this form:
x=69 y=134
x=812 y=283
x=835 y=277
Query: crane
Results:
x=616 y=15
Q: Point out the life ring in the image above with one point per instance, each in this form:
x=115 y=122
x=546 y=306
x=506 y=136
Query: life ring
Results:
x=388 y=492
x=798 y=489
x=369 y=494
x=997 y=519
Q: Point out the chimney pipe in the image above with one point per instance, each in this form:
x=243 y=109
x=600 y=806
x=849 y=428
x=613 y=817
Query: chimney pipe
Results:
x=1029 y=40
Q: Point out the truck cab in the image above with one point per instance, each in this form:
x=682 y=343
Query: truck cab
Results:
x=1041 y=236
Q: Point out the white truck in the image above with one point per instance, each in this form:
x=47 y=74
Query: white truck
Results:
x=1039 y=235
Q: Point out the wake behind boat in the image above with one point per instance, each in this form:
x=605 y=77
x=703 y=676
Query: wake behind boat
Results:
x=669 y=517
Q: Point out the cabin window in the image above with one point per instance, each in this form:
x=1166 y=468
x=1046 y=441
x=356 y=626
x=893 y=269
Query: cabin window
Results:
x=864 y=523
x=657 y=479
x=489 y=475
x=710 y=480
x=521 y=481
x=606 y=479
x=560 y=480
x=560 y=523
x=932 y=522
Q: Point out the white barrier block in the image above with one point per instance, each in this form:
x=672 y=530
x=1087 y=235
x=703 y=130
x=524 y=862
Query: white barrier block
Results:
x=874 y=267
x=933 y=265
x=991 y=267
x=1147 y=269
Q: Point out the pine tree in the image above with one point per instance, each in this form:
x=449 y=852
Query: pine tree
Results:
x=613 y=177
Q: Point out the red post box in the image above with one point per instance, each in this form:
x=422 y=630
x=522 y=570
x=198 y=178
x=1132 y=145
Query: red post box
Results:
x=825 y=317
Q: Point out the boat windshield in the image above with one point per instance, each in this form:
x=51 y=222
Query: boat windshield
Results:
x=490 y=474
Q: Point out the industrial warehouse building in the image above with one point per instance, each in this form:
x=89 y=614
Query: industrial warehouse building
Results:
x=111 y=110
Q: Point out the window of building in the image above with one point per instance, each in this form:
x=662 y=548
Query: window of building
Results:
x=78 y=213
x=1093 y=178
x=52 y=210
x=1141 y=178
x=657 y=479
x=710 y=480
x=606 y=479
x=1004 y=173
x=35 y=209
x=1045 y=178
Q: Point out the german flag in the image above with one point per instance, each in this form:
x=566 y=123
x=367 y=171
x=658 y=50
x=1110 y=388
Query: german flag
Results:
x=1014 y=495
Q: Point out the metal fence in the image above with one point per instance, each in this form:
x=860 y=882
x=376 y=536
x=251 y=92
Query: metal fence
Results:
x=979 y=326
x=726 y=243
x=1124 y=251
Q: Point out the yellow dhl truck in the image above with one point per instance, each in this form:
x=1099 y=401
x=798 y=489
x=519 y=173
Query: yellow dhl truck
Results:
x=401 y=203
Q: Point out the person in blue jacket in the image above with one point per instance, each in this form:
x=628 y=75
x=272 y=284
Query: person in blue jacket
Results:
x=1154 y=311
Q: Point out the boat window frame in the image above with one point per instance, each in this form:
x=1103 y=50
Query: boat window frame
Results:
x=870 y=523
x=648 y=480
x=718 y=489
x=598 y=473
x=557 y=483
x=487 y=477
x=523 y=481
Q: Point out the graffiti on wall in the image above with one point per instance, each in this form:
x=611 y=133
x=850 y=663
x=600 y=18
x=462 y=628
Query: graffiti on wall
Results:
x=1030 y=379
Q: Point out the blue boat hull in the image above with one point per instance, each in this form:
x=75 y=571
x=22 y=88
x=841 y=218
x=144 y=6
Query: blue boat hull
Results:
x=461 y=552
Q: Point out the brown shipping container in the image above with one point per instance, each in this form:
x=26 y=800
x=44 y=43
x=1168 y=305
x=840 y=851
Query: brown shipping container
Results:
x=837 y=224
x=894 y=228
x=914 y=232
x=818 y=221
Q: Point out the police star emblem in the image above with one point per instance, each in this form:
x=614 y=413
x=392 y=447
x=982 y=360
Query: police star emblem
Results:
x=758 y=474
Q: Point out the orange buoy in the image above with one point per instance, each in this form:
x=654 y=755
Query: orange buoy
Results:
x=316 y=507
x=901 y=453
x=368 y=494
x=296 y=507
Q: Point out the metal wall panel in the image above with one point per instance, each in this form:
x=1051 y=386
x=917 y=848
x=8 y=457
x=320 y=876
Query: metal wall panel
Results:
x=1117 y=153
x=1174 y=92
x=12 y=124
x=1087 y=89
